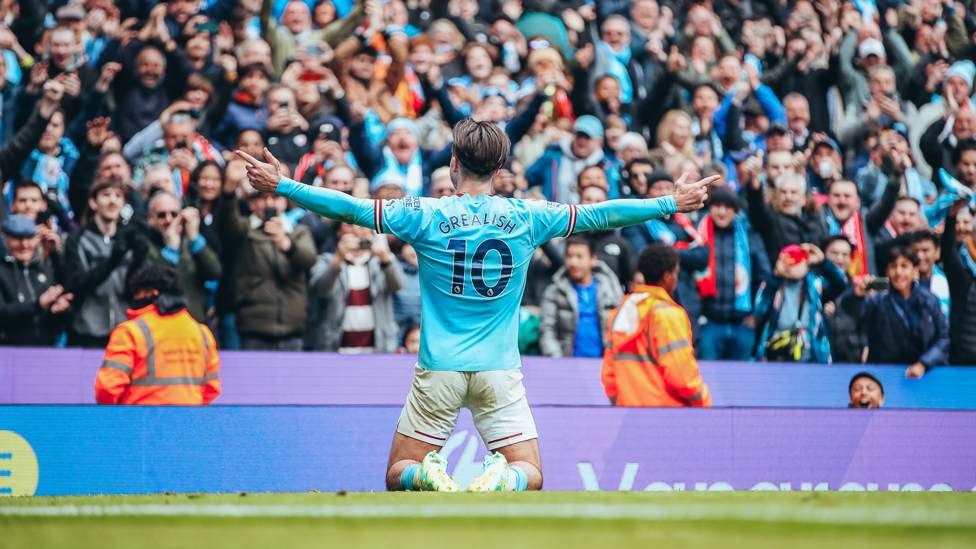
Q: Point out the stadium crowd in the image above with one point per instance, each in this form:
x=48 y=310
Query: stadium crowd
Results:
x=843 y=133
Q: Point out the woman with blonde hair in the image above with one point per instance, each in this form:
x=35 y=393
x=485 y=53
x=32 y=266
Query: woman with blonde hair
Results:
x=674 y=137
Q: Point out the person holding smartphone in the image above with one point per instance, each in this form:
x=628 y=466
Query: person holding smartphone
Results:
x=359 y=282
x=905 y=323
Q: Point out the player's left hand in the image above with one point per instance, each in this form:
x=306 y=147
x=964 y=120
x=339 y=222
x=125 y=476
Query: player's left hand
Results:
x=691 y=196
x=263 y=176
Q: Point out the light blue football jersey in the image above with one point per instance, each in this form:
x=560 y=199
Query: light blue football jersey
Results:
x=474 y=254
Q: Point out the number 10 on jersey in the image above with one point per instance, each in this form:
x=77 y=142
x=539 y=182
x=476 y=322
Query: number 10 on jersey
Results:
x=460 y=248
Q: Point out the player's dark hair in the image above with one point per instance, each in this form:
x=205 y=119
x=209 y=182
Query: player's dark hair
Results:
x=655 y=260
x=582 y=241
x=163 y=279
x=480 y=147
x=902 y=251
x=923 y=235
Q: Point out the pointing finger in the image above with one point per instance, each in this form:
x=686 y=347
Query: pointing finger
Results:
x=247 y=158
x=709 y=179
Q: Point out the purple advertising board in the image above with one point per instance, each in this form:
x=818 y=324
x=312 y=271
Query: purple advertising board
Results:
x=67 y=376
x=57 y=450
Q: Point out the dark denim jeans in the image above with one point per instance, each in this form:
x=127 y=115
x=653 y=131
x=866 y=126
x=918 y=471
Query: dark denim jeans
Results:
x=726 y=341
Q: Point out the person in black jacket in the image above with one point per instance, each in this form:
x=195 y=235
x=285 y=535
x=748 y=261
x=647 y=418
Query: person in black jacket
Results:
x=962 y=288
x=31 y=302
x=787 y=221
x=905 y=325
x=847 y=338
x=98 y=259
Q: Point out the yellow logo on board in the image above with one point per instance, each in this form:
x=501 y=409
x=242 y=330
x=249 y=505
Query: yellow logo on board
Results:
x=18 y=466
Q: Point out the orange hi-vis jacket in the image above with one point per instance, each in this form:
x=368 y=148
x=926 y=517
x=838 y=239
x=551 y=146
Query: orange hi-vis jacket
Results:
x=651 y=361
x=159 y=359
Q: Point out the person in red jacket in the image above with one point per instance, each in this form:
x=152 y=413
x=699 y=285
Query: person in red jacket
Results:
x=160 y=355
x=651 y=361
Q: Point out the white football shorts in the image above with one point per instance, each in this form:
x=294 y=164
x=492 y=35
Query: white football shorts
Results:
x=496 y=399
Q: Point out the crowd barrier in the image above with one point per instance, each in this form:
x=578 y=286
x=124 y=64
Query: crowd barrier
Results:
x=67 y=376
x=59 y=450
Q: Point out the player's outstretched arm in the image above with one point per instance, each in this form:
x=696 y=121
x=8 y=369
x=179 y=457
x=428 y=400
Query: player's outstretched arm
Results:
x=266 y=177
x=614 y=214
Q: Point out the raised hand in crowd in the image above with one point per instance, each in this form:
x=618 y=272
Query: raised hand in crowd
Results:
x=174 y=233
x=223 y=41
x=347 y=244
x=191 y=222
x=676 y=61
x=98 y=132
x=105 y=79
x=584 y=56
x=38 y=76
x=816 y=255
x=53 y=92
x=50 y=239
x=71 y=82
x=275 y=230
x=513 y=9
x=754 y=166
x=691 y=196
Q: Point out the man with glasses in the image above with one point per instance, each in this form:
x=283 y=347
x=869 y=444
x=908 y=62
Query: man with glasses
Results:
x=175 y=241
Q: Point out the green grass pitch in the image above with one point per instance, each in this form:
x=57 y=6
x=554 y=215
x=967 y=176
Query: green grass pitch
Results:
x=606 y=520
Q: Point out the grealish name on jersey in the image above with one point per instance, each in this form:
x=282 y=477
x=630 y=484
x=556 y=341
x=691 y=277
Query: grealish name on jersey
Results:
x=503 y=222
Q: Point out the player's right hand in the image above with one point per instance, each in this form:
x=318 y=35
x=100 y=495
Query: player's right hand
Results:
x=263 y=176
x=691 y=196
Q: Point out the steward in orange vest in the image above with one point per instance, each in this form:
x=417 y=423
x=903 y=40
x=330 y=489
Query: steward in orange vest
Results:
x=161 y=355
x=651 y=361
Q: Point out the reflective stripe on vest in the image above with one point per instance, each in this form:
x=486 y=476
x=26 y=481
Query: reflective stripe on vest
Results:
x=150 y=348
x=673 y=346
x=635 y=357
x=127 y=370
x=151 y=380
x=695 y=398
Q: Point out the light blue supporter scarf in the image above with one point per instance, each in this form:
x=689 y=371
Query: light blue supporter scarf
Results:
x=913 y=184
x=939 y=286
x=743 y=265
x=618 y=69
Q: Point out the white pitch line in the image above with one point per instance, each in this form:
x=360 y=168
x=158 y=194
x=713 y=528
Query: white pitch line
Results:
x=758 y=513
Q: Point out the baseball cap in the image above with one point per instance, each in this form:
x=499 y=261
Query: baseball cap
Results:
x=868 y=375
x=871 y=46
x=70 y=12
x=829 y=142
x=795 y=253
x=589 y=125
x=778 y=126
x=19 y=226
